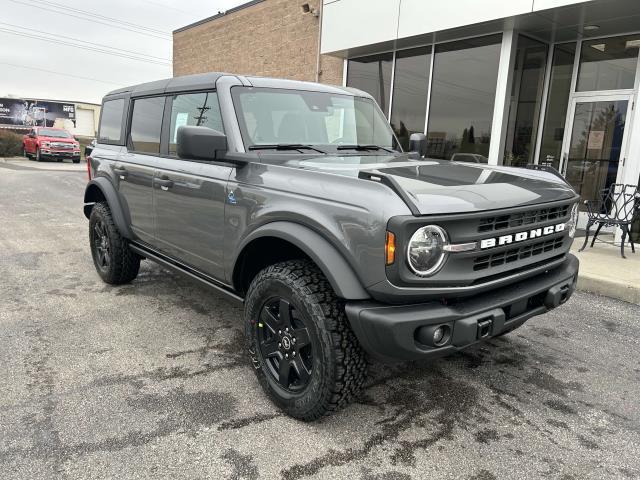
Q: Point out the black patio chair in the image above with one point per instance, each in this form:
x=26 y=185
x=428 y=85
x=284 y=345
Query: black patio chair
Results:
x=618 y=207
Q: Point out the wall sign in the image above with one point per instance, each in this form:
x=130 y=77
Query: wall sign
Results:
x=36 y=113
x=596 y=140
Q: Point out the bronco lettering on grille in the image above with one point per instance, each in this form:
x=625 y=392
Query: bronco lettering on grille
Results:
x=521 y=236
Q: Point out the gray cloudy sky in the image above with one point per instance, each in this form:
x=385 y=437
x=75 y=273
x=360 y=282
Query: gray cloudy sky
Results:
x=124 y=42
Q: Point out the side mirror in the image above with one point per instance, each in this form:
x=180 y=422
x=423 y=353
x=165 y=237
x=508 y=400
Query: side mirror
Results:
x=200 y=143
x=32 y=135
x=418 y=144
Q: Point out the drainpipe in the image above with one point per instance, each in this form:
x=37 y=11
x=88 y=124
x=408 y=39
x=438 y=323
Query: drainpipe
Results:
x=319 y=40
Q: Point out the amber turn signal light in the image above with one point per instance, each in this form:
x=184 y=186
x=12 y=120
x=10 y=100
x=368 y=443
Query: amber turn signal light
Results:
x=390 y=248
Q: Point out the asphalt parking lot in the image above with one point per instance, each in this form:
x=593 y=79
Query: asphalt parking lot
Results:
x=150 y=380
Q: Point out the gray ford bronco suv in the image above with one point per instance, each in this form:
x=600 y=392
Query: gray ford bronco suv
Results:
x=296 y=200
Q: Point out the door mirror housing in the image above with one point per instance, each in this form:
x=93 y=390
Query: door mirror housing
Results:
x=418 y=144
x=32 y=135
x=200 y=143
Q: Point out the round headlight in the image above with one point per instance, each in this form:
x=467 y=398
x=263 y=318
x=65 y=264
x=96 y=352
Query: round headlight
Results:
x=425 y=252
x=573 y=221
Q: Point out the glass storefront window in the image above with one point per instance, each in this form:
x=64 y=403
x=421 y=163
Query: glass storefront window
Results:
x=609 y=63
x=372 y=74
x=557 y=104
x=524 y=109
x=462 y=97
x=410 y=88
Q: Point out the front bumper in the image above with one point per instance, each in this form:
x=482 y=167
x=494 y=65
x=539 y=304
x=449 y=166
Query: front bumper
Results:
x=391 y=332
x=59 y=154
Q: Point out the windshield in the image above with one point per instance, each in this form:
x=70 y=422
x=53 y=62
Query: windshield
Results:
x=50 y=132
x=269 y=116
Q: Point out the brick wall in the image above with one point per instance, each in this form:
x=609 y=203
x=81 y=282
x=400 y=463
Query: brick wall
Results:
x=273 y=38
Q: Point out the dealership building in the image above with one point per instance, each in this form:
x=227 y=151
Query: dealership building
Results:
x=549 y=82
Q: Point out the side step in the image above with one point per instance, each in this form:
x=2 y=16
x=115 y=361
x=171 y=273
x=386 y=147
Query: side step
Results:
x=188 y=271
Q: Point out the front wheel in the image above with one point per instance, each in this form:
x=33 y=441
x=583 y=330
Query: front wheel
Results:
x=114 y=261
x=38 y=157
x=306 y=357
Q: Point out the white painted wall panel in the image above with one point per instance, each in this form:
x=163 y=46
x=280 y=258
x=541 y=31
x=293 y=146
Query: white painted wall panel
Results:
x=351 y=23
x=425 y=16
x=545 y=4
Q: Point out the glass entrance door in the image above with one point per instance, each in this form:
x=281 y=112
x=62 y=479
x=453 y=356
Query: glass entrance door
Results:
x=594 y=148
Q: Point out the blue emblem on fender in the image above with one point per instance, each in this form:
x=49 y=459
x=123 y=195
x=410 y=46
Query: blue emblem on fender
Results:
x=231 y=197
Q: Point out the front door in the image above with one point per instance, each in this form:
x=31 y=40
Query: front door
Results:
x=189 y=210
x=595 y=146
x=189 y=196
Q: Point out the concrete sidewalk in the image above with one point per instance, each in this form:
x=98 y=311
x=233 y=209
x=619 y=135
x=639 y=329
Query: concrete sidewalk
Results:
x=605 y=272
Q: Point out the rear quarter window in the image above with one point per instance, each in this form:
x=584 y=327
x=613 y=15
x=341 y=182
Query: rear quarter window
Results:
x=110 y=130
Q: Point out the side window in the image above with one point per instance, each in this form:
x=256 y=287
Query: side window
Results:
x=111 y=121
x=199 y=109
x=146 y=123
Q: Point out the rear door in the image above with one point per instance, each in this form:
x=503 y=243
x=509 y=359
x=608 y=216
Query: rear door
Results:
x=189 y=194
x=136 y=166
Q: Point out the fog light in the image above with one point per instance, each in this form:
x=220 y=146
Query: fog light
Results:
x=434 y=335
x=441 y=335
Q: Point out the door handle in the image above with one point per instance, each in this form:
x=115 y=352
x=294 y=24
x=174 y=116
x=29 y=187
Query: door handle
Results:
x=164 y=182
x=121 y=172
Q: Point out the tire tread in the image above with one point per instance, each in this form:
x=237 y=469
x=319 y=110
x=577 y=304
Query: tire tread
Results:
x=350 y=368
x=125 y=263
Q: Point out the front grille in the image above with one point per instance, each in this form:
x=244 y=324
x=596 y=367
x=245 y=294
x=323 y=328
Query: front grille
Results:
x=500 y=222
x=62 y=145
x=512 y=255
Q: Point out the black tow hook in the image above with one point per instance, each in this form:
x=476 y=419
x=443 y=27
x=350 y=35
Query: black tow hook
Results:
x=484 y=328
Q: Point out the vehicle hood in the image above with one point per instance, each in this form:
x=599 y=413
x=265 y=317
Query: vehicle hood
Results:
x=57 y=139
x=440 y=186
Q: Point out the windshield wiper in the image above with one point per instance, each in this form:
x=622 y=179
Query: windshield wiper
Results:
x=285 y=146
x=363 y=148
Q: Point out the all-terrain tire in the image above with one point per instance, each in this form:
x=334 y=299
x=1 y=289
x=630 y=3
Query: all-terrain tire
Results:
x=123 y=264
x=338 y=363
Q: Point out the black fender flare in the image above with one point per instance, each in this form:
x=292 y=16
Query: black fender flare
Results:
x=110 y=194
x=339 y=273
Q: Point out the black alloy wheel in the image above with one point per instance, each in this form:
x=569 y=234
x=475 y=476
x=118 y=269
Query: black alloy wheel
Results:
x=115 y=262
x=285 y=345
x=101 y=245
x=304 y=353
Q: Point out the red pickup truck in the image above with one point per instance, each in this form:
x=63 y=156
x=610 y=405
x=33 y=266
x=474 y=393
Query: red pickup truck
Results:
x=43 y=143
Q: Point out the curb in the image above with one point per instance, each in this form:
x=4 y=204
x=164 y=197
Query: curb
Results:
x=588 y=282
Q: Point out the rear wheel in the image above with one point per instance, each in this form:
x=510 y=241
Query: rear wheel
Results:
x=76 y=160
x=306 y=357
x=114 y=261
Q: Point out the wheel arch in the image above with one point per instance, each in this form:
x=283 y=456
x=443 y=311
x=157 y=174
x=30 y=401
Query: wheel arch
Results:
x=286 y=241
x=102 y=190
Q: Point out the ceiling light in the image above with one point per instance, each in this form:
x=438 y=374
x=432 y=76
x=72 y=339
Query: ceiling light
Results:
x=591 y=28
x=632 y=44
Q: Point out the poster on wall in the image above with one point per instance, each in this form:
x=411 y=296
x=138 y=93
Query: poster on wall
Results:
x=36 y=113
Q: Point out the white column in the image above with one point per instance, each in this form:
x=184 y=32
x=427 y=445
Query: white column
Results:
x=503 y=93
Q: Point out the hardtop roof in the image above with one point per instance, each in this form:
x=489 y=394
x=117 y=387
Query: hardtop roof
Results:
x=201 y=81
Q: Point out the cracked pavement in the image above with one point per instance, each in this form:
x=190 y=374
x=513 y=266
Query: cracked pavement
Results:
x=150 y=380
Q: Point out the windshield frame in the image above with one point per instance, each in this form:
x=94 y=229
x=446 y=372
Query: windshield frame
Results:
x=49 y=130
x=247 y=141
